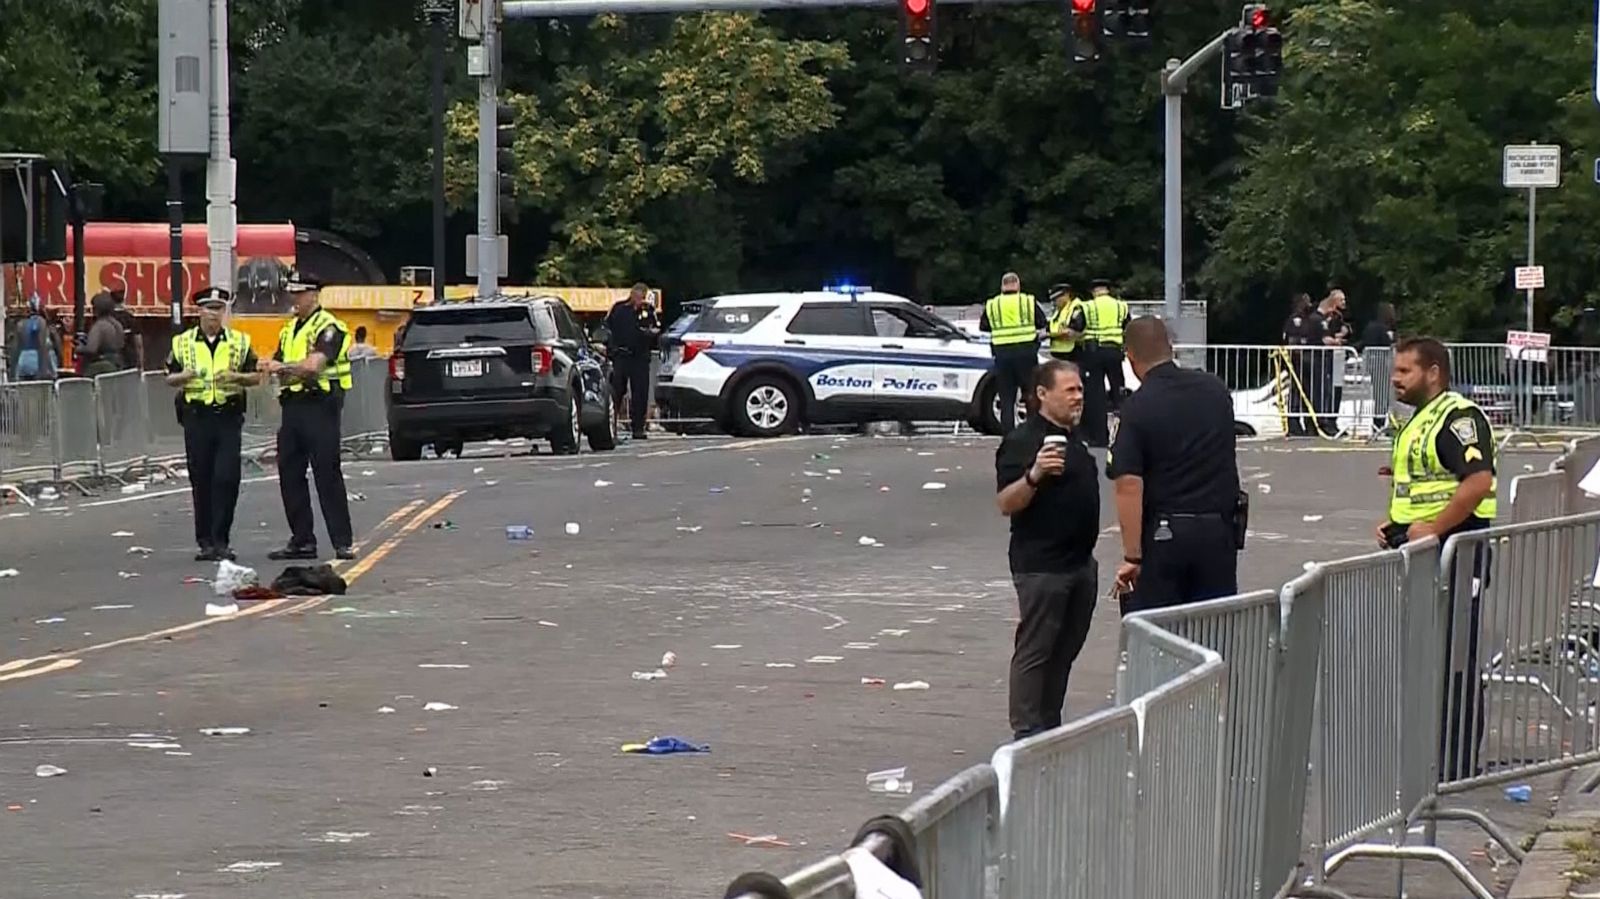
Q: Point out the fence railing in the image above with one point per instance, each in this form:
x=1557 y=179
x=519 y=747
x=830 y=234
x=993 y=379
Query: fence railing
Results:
x=1365 y=692
x=82 y=432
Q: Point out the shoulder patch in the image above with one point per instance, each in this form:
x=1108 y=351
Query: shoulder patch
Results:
x=1465 y=430
x=1116 y=425
x=330 y=333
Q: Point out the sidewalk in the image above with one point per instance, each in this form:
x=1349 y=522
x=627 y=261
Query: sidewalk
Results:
x=1565 y=858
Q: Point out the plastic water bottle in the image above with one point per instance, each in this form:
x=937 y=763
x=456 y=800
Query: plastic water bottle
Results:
x=1519 y=793
x=519 y=532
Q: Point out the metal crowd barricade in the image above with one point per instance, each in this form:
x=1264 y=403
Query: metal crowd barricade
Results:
x=1523 y=657
x=1181 y=691
x=28 y=431
x=160 y=401
x=1068 y=809
x=123 y=420
x=1270 y=645
x=1581 y=456
x=1290 y=391
x=364 y=414
x=262 y=415
x=956 y=827
x=1537 y=497
x=77 y=437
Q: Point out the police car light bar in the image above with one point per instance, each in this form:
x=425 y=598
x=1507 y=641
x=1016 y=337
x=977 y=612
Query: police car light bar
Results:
x=846 y=288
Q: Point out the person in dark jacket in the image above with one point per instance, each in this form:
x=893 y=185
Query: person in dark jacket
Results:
x=104 y=351
x=633 y=328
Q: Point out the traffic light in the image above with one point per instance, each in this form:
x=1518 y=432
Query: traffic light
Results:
x=1136 y=19
x=917 y=52
x=505 y=158
x=1268 y=61
x=1084 y=29
x=1253 y=57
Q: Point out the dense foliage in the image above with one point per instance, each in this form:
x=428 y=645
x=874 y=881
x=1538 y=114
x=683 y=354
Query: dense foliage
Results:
x=710 y=153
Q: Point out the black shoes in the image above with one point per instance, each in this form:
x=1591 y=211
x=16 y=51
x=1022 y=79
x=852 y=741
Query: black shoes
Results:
x=292 y=552
x=640 y=435
x=344 y=552
x=206 y=554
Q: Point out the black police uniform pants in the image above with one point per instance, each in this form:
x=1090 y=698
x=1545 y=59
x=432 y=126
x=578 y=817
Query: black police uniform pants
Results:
x=1197 y=561
x=1096 y=408
x=309 y=435
x=1056 y=610
x=1111 y=365
x=631 y=375
x=1464 y=709
x=1013 y=373
x=211 y=447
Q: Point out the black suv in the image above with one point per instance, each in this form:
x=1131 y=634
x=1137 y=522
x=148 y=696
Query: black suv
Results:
x=497 y=369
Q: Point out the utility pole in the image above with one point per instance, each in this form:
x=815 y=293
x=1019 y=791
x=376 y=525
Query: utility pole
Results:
x=1174 y=81
x=438 y=14
x=222 y=224
x=488 y=72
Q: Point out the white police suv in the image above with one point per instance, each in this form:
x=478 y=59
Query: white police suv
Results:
x=760 y=364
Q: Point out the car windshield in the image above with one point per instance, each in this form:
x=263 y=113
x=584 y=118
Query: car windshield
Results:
x=445 y=327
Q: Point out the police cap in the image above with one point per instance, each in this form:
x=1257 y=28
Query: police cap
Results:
x=299 y=282
x=1060 y=290
x=1100 y=282
x=212 y=296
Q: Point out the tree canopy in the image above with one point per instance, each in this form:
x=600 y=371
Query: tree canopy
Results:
x=783 y=150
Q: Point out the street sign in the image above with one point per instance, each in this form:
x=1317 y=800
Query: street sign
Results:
x=1528 y=346
x=504 y=243
x=1535 y=165
x=1530 y=277
x=472 y=16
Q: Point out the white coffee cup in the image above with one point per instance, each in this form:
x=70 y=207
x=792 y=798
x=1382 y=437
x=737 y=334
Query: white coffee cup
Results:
x=1056 y=440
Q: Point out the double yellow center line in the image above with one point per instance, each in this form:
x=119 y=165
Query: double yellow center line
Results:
x=19 y=669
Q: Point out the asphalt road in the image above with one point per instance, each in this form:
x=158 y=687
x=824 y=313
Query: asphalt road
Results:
x=742 y=558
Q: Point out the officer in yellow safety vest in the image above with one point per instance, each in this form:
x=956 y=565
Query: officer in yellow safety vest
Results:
x=1066 y=323
x=313 y=370
x=1100 y=354
x=1444 y=483
x=212 y=365
x=1013 y=321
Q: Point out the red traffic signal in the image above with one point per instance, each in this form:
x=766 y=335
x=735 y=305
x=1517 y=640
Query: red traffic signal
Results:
x=918 y=8
x=1260 y=18
x=1083 y=7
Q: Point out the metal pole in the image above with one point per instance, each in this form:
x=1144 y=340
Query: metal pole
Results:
x=1172 y=294
x=439 y=21
x=221 y=224
x=1533 y=215
x=175 y=239
x=488 y=169
x=80 y=285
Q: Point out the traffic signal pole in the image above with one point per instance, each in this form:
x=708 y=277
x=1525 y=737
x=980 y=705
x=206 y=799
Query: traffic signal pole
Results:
x=488 y=164
x=1174 y=81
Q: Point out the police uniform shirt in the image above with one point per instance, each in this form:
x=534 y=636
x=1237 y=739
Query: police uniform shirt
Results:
x=1058 y=530
x=630 y=328
x=329 y=343
x=1465 y=447
x=235 y=402
x=1176 y=432
x=1377 y=334
x=1297 y=331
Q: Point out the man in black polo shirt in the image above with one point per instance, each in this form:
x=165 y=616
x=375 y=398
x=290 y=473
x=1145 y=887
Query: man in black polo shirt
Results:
x=1173 y=459
x=1049 y=489
x=634 y=329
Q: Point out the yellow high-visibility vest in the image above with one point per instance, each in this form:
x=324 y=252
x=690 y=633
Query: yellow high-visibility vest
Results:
x=1103 y=320
x=297 y=346
x=1422 y=486
x=1059 y=322
x=1011 y=318
x=192 y=352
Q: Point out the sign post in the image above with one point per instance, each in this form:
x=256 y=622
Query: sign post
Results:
x=1531 y=167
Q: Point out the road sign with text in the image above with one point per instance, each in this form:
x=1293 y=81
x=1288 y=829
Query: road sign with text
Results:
x=472 y=18
x=1528 y=346
x=1535 y=165
x=1530 y=277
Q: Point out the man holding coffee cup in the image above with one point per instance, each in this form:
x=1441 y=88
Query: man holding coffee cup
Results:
x=1048 y=486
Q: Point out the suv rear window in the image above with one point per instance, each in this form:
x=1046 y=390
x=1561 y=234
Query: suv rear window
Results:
x=441 y=327
x=730 y=319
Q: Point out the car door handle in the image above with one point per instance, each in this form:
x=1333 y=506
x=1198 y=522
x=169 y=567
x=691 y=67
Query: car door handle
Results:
x=893 y=346
x=795 y=342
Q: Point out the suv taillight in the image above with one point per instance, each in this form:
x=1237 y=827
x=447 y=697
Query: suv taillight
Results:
x=397 y=367
x=692 y=348
x=543 y=360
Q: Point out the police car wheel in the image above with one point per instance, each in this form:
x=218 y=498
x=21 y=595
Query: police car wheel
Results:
x=564 y=440
x=403 y=448
x=766 y=406
x=990 y=417
x=604 y=436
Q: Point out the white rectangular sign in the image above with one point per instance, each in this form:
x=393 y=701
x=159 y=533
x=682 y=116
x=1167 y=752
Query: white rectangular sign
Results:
x=1532 y=166
x=472 y=18
x=1530 y=277
x=1528 y=346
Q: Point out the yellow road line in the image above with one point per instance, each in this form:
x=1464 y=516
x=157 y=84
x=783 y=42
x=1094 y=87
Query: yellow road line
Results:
x=366 y=563
x=18 y=669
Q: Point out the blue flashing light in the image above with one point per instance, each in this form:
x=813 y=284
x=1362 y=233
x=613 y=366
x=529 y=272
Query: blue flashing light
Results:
x=845 y=287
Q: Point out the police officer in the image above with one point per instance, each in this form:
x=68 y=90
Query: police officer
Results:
x=312 y=365
x=1300 y=329
x=212 y=365
x=1444 y=483
x=1104 y=317
x=633 y=328
x=1066 y=323
x=1013 y=321
x=1177 y=480
x=1049 y=489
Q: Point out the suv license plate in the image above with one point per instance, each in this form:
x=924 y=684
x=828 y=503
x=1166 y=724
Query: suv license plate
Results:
x=466 y=368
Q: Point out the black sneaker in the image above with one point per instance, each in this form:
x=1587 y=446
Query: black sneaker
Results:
x=344 y=552
x=206 y=554
x=224 y=553
x=292 y=552
x=640 y=435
